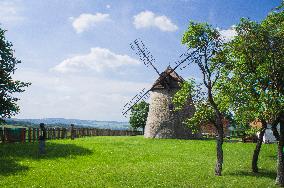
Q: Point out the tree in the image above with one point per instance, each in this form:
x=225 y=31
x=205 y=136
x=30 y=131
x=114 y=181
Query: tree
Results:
x=244 y=77
x=274 y=25
x=252 y=78
x=207 y=42
x=8 y=86
x=139 y=114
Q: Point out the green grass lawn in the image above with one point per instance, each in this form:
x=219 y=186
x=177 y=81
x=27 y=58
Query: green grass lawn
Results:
x=133 y=162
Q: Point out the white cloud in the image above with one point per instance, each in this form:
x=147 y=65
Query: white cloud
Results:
x=10 y=12
x=108 y=6
x=86 y=21
x=99 y=59
x=74 y=96
x=147 y=19
x=228 y=34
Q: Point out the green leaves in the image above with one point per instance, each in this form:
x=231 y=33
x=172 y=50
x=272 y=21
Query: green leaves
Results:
x=139 y=114
x=252 y=78
x=8 y=86
x=203 y=114
x=199 y=35
x=184 y=94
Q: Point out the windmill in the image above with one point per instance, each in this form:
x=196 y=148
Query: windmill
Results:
x=162 y=121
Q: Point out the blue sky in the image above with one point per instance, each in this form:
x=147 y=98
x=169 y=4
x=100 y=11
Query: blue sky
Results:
x=77 y=54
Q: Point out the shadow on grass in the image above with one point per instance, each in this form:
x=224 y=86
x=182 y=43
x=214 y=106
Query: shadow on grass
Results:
x=10 y=154
x=9 y=166
x=262 y=173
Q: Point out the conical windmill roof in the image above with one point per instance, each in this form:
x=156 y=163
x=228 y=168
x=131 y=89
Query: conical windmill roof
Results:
x=168 y=79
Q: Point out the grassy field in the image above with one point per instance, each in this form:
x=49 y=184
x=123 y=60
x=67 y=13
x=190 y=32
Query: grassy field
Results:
x=133 y=162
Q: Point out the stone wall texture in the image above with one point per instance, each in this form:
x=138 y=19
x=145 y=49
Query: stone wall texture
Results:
x=163 y=123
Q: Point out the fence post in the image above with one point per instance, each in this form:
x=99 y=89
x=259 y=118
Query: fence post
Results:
x=51 y=133
x=42 y=139
x=72 y=132
x=1 y=134
x=65 y=132
x=30 y=135
x=54 y=133
x=34 y=135
x=58 y=133
x=23 y=135
x=48 y=134
x=62 y=133
x=4 y=135
x=37 y=133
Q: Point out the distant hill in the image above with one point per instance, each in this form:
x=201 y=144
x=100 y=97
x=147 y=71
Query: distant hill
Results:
x=62 y=122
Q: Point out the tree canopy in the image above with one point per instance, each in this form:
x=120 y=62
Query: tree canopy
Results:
x=251 y=81
x=207 y=42
x=139 y=114
x=8 y=86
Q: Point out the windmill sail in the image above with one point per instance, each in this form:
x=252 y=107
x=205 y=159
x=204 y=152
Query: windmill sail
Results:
x=143 y=96
x=146 y=57
x=144 y=54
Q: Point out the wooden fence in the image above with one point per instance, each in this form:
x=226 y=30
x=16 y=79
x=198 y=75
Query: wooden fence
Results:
x=33 y=134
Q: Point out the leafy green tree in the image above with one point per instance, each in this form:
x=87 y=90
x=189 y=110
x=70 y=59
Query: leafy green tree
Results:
x=139 y=114
x=207 y=42
x=203 y=111
x=253 y=76
x=243 y=77
x=274 y=24
x=8 y=86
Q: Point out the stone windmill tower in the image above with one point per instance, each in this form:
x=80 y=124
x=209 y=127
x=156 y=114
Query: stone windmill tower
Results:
x=163 y=121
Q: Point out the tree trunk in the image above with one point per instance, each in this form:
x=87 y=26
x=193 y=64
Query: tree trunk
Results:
x=219 y=144
x=280 y=162
x=274 y=129
x=220 y=131
x=280 y=165
x=256 y=152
